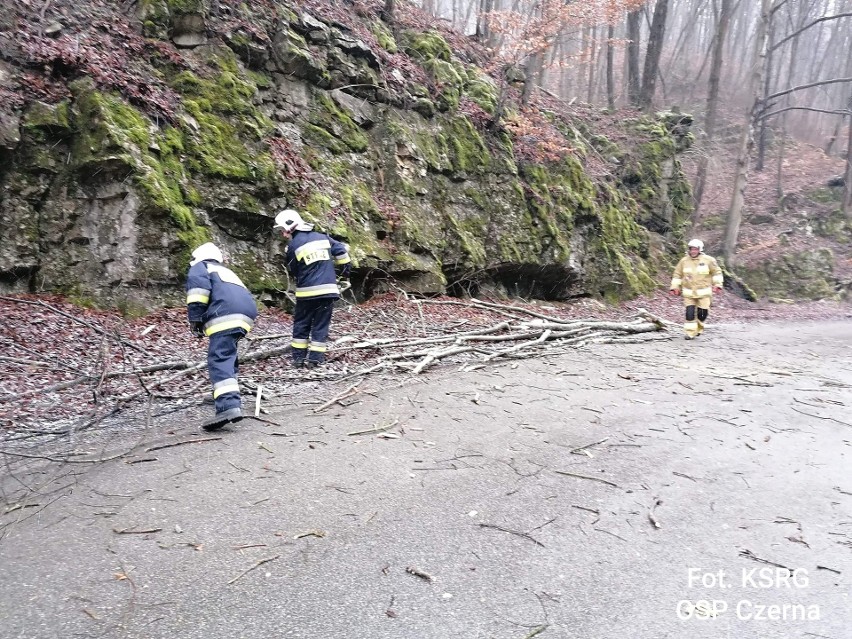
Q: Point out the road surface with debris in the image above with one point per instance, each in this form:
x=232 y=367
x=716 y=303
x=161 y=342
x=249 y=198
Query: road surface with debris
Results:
x=665 y=490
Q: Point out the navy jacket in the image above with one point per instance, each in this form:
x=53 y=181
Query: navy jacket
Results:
x=218 y=298
x=311 y=259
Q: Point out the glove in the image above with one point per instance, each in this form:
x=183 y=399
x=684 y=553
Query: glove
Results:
x=197 y=328
x=674 y=291
x=343 y=284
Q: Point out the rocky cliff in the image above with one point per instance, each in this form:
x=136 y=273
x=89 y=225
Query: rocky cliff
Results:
x=129 y=133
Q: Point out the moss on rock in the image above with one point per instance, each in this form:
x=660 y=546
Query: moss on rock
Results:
x=429 y=45
x=332 y=127
x=223 y=115
x=805 y=274
x=155 y=18
x=215 y=149
x=653 y=175
x=111 y=130
x=384 y=36
x=53 y=118
x=482 y=90
x=833 y=225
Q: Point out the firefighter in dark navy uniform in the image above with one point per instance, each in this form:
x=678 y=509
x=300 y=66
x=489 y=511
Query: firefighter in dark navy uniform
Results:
x=312 y=259
x=220 y=307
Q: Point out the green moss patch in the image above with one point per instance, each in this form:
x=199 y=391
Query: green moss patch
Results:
x=223 y=115
x=426 y=46
x=384 y=36
x=804 y=275
x=333 y=128
x=110 y=130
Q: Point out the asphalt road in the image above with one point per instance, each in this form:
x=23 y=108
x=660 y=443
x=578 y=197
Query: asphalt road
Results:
x=714 y=471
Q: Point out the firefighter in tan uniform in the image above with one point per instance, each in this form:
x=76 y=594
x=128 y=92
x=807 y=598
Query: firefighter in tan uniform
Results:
x=697 y=276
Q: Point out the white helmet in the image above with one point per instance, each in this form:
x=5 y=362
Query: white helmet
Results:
x=697 y=244
x=208 y=251
x=290 y=221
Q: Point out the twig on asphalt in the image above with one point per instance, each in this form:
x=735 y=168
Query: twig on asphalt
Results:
x=651 y=517
x=128 y=531
x=67 y=461
x=610 y=533
x=141 y=461
x=745 y=552
x=187 y=441
x=349 y=392
x=513 y=532
x=820 y=416
x=262 y=420
x=425 y=576
x=311 y=533
x=837 y=572
x=536 y=632
x=547 y=523
x=590 y=510
x=245 y=546
x=579 y=448
x=674 y=472
x=603 y=481
x=377 y=429
x=248 y=570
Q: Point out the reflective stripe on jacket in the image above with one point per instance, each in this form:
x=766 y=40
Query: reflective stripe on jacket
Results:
x=696 y=276
x=311 y=259
x=218 y=298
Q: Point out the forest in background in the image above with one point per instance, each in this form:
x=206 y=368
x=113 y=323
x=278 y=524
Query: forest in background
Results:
x=761 y=71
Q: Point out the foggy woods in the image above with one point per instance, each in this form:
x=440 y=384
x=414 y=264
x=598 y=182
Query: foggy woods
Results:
x=786 y=64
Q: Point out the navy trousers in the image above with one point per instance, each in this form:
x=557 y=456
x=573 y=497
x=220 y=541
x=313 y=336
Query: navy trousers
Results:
x=223 y=366
x=311 y=322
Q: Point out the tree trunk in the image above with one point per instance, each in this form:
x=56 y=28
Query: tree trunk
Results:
x=483 y=31
x=593 y=41
x=610 y=79
x=633 y=33
x=712 y=104
x=652 y=55
x=832 y=140
x=839 y=126
x=493 y=37
x=791 y=76
x=563 y=69
x=534 y=63
x=534 y=66
x=847 y=187
x=390 y=10
x=735 y=212
x=761 y=144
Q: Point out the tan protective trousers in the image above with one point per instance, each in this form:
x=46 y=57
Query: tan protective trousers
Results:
x=696 y=326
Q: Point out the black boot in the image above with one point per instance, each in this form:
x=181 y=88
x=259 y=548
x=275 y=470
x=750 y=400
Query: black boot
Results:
x=221 y=419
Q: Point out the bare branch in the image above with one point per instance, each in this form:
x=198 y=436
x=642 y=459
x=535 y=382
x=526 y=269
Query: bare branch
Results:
x=805 y=86
x=843 y=112
x=806 y=27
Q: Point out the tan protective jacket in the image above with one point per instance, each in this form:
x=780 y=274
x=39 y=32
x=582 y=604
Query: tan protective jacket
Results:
x=696 y=276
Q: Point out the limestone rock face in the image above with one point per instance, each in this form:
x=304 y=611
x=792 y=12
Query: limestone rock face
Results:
x=386 y=145
x=807 y=274
x=189 y=30
x=10 y=133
